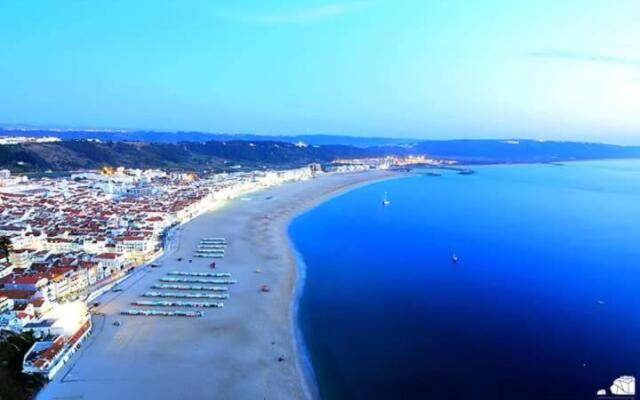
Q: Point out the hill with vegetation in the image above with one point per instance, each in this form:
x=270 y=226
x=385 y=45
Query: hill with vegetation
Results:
x=82 y=154
x=68 y=155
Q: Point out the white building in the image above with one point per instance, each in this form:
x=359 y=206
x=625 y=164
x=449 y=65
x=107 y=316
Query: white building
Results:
x=110 y=263
x=6 y=304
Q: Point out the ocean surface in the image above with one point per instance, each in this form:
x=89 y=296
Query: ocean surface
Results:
x=544 y=302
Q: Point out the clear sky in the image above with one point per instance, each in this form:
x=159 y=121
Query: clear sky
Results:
x=558 y=69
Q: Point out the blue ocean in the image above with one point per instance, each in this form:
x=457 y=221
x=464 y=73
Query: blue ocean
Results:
x=543 y=303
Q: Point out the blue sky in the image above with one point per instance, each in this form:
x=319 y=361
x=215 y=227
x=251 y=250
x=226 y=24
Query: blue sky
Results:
x=565 y=69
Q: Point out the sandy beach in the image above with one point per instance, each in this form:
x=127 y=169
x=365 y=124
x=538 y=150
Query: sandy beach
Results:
x=230 y=353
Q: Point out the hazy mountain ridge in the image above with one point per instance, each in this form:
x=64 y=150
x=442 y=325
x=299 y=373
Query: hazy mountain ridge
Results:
x=84 y=154
x=519 y=151
x=81 y=154
x=192 y=136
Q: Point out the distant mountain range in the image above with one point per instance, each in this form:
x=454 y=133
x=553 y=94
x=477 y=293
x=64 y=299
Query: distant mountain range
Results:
x=194 y=150
x=522 y=151
x=181 y=136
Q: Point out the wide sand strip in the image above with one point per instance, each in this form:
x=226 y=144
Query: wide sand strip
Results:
x=245 y=350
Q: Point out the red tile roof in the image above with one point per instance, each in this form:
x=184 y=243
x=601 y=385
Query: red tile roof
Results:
x=108 y=256
x=17 y=294
x=27 y=279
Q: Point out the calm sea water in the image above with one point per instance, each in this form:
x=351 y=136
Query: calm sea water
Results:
x=544 y=303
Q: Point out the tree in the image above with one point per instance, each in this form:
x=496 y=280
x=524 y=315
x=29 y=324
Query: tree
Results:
x=5 y=246
x=14 y=385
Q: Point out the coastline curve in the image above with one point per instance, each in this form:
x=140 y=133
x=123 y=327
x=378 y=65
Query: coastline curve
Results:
x=303 y=358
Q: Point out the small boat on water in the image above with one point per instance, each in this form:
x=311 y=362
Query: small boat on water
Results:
x=454 y=258
x=385 y=200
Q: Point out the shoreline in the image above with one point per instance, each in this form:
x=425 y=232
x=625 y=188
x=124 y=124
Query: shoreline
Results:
x=305 y=364
x=251 y=348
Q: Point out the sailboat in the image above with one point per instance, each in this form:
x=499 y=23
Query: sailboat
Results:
x=385 y=200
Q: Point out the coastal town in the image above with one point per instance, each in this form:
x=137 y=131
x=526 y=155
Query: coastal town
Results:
x=66 y=241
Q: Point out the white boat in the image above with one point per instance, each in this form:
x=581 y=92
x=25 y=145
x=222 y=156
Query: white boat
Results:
x=199 y=280
x=210 y=251
x=183 y=295
x=156 y=313
x=202 y=274
x=189 y=287
x=177 y=303
x=385 y=200
x=200 y=255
